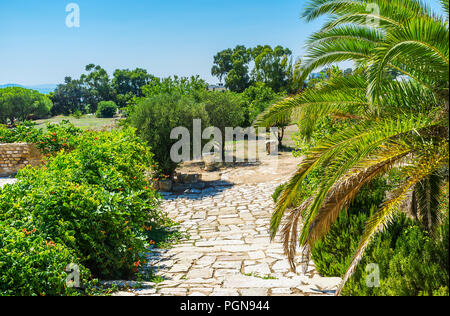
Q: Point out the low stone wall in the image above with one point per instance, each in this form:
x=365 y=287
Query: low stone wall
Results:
x=14 y=157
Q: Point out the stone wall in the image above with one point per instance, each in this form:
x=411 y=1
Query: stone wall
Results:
x=14 y=157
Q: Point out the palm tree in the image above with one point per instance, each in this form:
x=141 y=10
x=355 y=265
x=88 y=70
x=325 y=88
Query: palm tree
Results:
x=400 y=124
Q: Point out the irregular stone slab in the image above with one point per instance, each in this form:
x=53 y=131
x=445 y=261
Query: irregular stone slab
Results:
x=227 y=265
x=325 y=283
x=260 y=269
x=240 y=282
x=200 y=274
x=180 y=268
x=254 y=292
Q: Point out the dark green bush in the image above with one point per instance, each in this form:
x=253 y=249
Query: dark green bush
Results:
x=225 y=109
x=156 y=117
x=17 y=103
x=333 y=254
x=257 y=98
x=106 y=109
x=410 y=262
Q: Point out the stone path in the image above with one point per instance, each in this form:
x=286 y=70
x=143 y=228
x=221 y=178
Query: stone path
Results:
x=4 y=181
x=229 y=252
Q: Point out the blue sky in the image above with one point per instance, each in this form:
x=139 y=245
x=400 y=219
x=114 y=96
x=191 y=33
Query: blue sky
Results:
x=165 y=37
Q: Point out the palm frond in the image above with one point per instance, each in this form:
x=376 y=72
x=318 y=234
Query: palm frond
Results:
x=344 y=191
x=339 y=154
x=423 y=42
x=444 y=4
x=342 y=96
x=427 y=194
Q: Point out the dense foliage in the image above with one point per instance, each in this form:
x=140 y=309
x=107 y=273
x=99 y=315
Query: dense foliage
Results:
x=155 y=118
x=272 y=66
x=92 y=202
x=31 y=266
x=106 y=109
x=49 y=140
x=21 y=104
x=126 y=88
x=257 y=98
x=410 y=262
x=393 y=123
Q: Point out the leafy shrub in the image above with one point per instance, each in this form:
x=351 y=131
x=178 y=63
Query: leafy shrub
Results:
x=106 y=109
x=77 y=114
x=30 y=265
x=93 y=199
x=49 y=140
x=156 y=117
x=257 y=99
x=225 y=109
x=411 y=263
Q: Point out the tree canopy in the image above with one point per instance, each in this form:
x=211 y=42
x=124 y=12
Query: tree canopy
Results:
x=21 y=104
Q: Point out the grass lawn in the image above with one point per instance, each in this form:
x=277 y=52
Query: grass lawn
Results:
x=85 y=122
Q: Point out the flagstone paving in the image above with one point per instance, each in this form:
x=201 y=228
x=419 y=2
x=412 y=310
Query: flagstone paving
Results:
x=229 y=252
x=4 y=181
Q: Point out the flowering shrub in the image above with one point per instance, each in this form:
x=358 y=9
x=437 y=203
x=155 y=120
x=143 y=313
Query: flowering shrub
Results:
x=51 y=140
x=94 y=199
x=30 y=265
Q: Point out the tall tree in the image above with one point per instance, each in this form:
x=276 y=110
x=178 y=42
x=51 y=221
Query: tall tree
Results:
x=222 y=64
x=21 y=104
x=273 y=67
x=233 y=65
x=69 y=97
x=99 y=86
x=128 y=84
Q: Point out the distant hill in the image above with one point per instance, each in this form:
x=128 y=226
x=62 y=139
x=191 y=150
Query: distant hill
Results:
x=43 y=88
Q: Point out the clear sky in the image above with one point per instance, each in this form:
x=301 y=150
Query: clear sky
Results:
x=166 y=37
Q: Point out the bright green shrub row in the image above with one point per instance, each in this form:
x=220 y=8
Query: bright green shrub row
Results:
x=94 y=200
x=49 y=140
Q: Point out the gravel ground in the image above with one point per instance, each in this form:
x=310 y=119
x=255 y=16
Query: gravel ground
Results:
x=4 y=181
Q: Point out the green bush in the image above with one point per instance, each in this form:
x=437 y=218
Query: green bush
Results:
x=156 y=117
x=30 y=265
x=410 y=262
x=94 y=199
x=257 y=98
x=225 y=109
x=106 y=109
x=22 y=104
x=50 y=140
